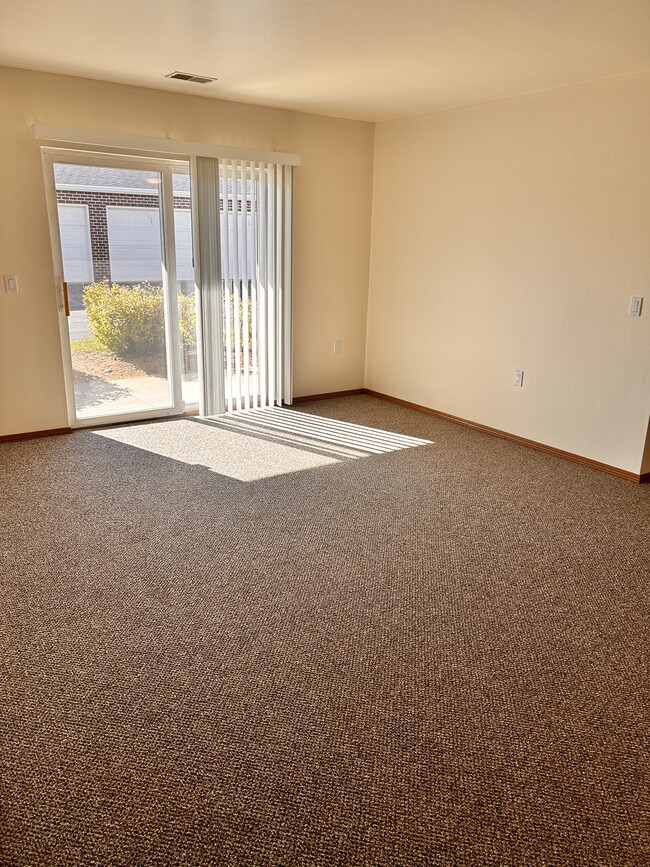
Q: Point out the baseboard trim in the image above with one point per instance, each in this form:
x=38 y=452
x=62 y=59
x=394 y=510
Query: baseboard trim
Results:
x=329 y=395
x=34 y=434
x=540 y=447
x=639 y=478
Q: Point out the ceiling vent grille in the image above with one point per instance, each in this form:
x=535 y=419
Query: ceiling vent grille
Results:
x=188 y=76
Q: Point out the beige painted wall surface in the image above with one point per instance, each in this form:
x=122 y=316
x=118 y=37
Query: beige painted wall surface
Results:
x=511 y=236
x=333 y=191
x=645 y=464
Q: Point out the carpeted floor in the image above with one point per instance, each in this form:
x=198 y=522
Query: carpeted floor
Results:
x=285 y=641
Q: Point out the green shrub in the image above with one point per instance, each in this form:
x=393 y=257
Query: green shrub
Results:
x=130 y=320
x=187 y=321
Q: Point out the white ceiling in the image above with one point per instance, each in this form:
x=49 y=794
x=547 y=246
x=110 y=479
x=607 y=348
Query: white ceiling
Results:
x=365 y=59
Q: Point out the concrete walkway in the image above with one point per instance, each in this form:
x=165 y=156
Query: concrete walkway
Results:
x=97 y=397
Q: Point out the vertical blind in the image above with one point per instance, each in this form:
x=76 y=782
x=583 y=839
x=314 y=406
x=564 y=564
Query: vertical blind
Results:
x=244 y=280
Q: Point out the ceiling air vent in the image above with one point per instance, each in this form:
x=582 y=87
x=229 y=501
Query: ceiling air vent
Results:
x=188 y=76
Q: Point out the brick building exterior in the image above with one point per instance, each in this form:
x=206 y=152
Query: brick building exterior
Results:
x=97 y=202
x=98 y=188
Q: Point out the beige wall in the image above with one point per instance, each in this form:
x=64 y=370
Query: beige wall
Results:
x=512 y=235
x=333 y=192
x=645 y=464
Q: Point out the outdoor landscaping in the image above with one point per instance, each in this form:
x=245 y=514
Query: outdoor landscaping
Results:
x=128 y=331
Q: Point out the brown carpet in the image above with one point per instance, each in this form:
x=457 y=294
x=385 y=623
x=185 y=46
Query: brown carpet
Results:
x=259 y=647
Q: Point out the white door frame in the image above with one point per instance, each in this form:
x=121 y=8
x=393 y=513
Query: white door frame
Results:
x=165 y=167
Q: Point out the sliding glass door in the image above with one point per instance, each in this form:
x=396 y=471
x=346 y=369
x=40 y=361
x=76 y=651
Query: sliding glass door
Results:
x=146 y=330
x=122 y=242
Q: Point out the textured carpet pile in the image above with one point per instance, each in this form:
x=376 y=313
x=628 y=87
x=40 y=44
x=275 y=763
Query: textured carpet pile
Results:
x=284 y=641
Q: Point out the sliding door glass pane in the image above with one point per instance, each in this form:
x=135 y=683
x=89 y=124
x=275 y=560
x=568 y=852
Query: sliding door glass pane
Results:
x=110 y=233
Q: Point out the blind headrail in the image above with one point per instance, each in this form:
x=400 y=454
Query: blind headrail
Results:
x=46 y=133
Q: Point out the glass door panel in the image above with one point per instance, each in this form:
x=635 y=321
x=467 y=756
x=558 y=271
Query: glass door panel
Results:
x=115 y=265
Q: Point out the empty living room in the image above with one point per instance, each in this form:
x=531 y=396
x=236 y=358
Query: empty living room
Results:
x=325 y=433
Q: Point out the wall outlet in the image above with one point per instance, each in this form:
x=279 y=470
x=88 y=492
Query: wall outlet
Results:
x=519 y=379
x=11 y=284
x=636 y=303
x=337 y=347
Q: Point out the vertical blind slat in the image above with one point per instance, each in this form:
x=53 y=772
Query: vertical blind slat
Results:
x=246 y=312
x=287 y=313
x=254 y=275
x=279 y=282
x=236 y=286
x=225 y=284
x=262 y=297
x=270 y=246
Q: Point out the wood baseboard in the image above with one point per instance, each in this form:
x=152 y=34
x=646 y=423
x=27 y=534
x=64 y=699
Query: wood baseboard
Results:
x=34 y=434
x=329 y=395
x=639 y=478
x=541 y=447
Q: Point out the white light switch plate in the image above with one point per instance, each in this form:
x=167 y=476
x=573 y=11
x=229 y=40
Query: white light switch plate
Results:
x=11 y=284
x=635 y=305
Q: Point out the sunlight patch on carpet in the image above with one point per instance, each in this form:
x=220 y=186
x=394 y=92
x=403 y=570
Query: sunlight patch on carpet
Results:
x=261 y=443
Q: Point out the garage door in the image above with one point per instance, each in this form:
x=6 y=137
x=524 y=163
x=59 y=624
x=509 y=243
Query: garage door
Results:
x=134 y=244
x=183 y=224
x=76 y=249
